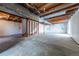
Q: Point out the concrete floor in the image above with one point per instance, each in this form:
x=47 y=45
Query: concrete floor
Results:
x=44 y=45
x=8 y=41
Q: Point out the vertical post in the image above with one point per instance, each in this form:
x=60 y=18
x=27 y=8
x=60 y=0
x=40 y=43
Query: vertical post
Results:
x=38 y=28
x=31 y=27
x=34 y=27
x=28 y=26
x=24 y=27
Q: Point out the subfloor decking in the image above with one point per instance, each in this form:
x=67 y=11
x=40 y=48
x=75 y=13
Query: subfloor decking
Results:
x=44 y=45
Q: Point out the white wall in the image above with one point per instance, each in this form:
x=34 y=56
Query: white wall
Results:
x=9 y=28
x=73 y=26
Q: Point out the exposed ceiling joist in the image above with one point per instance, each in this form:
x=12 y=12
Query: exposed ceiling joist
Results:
x=60 y=13
x=47 y=6
x=59 y=18
x=55 y=12
x=32 y=7
x=59 y=21
x=53 y=15
x=57 y=8
x=38 y=5
x=72 y=11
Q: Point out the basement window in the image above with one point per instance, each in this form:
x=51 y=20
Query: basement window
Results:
x=60 y=28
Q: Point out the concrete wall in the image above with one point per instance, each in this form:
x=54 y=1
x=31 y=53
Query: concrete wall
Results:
x=10 y=28
x=73 y=26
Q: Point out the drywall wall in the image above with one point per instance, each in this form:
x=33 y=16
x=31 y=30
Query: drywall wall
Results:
x=9 y=28
x=73 y=26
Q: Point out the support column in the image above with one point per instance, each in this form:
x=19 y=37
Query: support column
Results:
x=28 y=27
x=23 y=26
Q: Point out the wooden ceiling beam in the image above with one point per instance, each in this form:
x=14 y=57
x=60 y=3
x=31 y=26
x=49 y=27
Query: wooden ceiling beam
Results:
x=29 y=6
x=60 y=13
x=59 y=8
x=54 y=15
x=59 y=21
x=59 y=18
x=42 y=5
x=32 y=7
x=38 y=5
x=71 y=11
x=47 y=6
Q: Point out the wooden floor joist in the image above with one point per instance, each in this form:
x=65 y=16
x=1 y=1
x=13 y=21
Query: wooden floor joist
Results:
x=58 y=19
x=70 y=7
